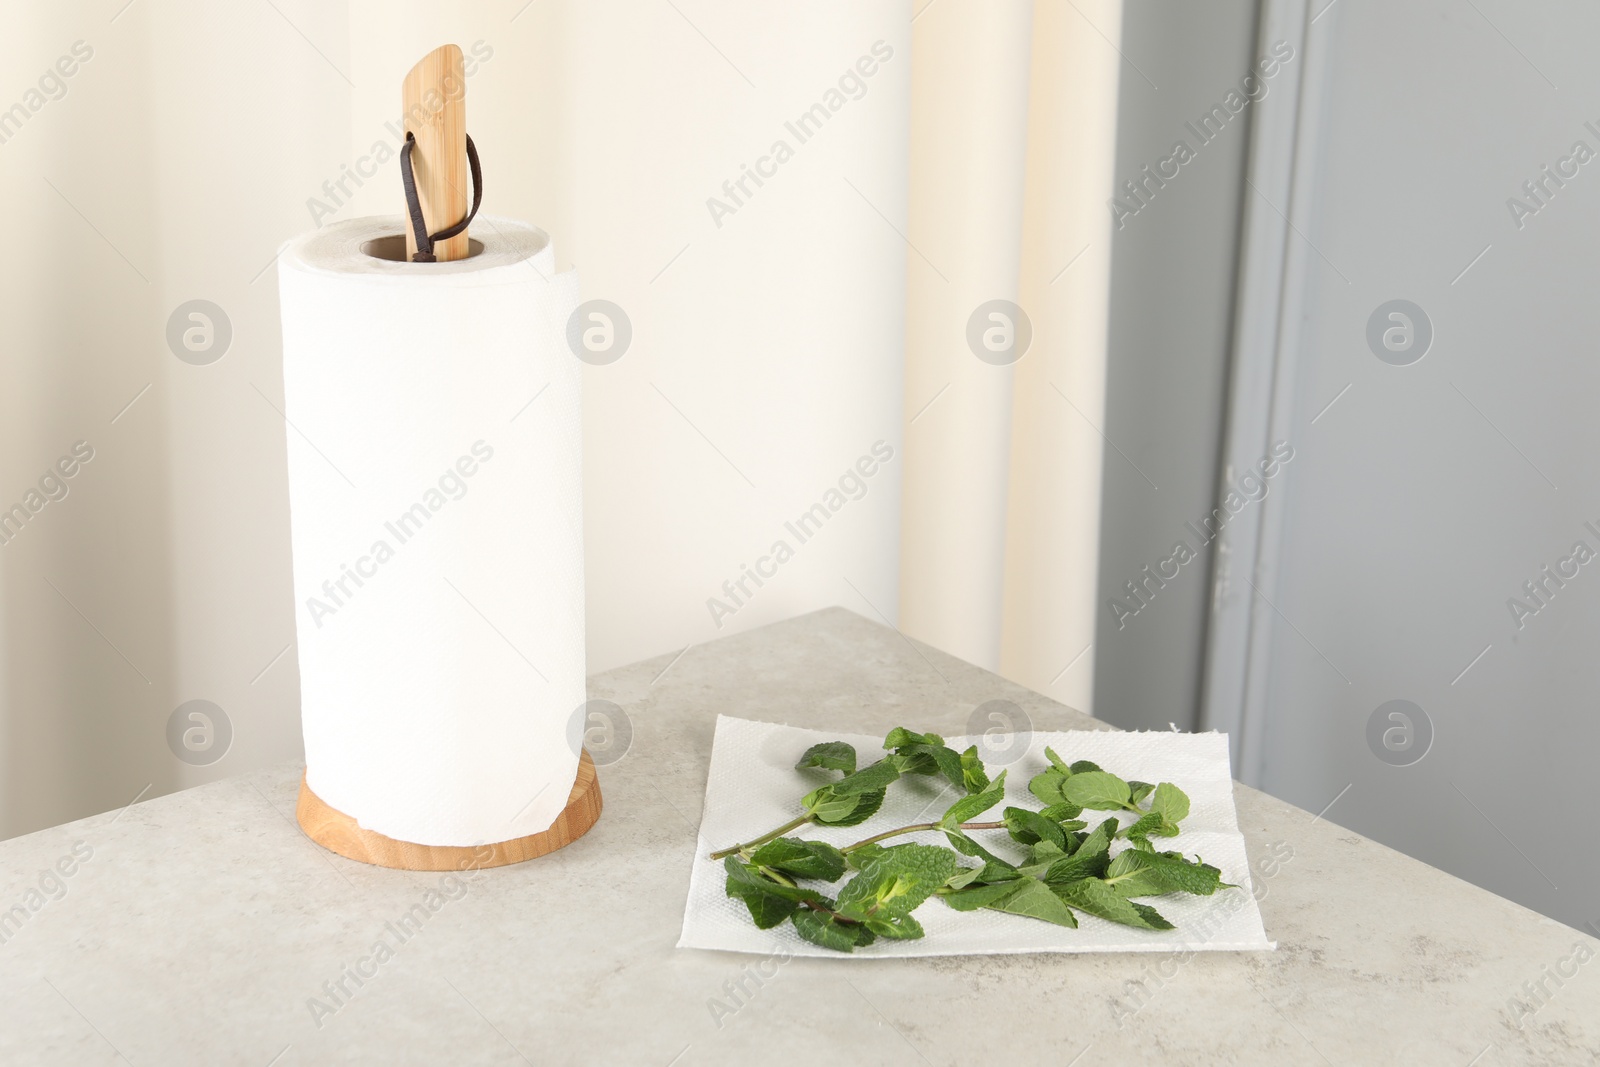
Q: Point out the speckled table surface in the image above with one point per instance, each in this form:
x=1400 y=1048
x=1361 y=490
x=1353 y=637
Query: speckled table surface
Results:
x=203 y=928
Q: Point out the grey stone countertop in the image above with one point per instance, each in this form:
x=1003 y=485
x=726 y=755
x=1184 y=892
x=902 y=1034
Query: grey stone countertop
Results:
x=198 y=927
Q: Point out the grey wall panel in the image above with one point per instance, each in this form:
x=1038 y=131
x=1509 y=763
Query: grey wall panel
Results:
x=1172 y=294
x=1430 y=491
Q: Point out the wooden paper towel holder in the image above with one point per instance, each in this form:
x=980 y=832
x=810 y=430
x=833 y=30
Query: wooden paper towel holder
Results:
x=338 y=832
x=433 y=99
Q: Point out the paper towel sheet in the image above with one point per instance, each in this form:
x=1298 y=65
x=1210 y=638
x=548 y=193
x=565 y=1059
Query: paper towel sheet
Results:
x=754 y=787
x=435 y=492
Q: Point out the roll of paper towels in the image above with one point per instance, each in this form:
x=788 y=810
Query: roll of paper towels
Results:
x=435 y=507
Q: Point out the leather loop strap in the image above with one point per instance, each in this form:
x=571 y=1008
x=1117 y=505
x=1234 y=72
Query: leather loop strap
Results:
x=419 y=226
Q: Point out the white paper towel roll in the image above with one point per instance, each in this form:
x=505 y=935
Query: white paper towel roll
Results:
x=435 y=504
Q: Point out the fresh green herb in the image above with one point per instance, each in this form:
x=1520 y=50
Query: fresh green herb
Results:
x=1096 y=789
x=829 y=931
x=1068 y=868
x=1170 y=803
x=928 y=754
x=801 y=859
x=973 y=776
x=974 y=804
x=834 y=755
x=890 y=888
x=1037 y=900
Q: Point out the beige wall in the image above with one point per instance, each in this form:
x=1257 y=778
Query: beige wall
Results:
x=769 y=349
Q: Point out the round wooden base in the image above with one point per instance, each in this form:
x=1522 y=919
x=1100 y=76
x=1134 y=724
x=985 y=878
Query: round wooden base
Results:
x=338 y=832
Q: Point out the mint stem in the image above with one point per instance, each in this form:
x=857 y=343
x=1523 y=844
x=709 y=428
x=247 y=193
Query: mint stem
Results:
x=914 y=828
x=874 y=839
x=825 y=910
x=777 y=876
x=764 y=838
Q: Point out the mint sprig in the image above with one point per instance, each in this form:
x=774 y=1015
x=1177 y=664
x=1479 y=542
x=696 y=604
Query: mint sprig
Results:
x=1068 y=868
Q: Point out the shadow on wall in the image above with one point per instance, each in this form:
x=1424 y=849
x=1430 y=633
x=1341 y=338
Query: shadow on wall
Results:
x=84 y=568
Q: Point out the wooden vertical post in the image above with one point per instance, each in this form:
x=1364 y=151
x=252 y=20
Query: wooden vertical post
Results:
x=434 y=103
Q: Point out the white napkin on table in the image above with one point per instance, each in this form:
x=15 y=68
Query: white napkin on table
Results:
x=754 y=787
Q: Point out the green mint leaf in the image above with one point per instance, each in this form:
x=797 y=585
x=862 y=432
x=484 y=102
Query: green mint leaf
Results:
x=1088 y=860
x=1044 y=856
x=823 y=797
x=765 y=911
x=974 y=804
x=829 y=808
x=1056 y=762
x=1085 y=863
x=1125 y=864
x=950 y=765
x=1151 y=822
x=1064 y=813
x=1097 y=898
x=1045 y=852
x=834 y=755
x=926 y=754
x=1046 y=785
x=901 y=928
x=997 y=872
x=900 y=737
x=1171 y=802
x=994 y=869
x=915 y=759
x=868 y=779
x=1095 y=789
x=828 y=932
x=896 y=882
x=930 y=759
x=769 y=902
x=803 y=859
x=862 y=856
x=968 y=847
x=867 y=805
x=747 y=875
x=963 y=877
x=1082 y=766
x=1137 y=791
x=981 y=896
x=1035 y=900
x=974 y=778
x=1136 y=873
x=1152 y=918
x=1129 y=876
x=1030 y=827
